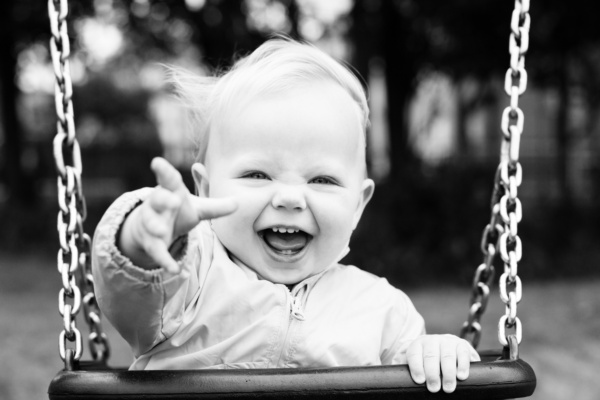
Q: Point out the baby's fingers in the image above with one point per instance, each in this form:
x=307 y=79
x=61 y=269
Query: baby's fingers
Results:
x=414 y=357
x=209 y=208
x=158 y=251
x=449 y=355
x=162 y=200
x=431 y=364
x=465 y=354
x=167 y=175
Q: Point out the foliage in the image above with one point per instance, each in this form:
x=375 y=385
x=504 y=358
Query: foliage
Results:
x=427 y=221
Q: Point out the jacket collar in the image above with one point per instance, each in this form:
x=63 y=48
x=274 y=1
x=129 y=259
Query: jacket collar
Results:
x=308 y=282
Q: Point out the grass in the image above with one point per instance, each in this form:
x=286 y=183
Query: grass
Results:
x=561 y=328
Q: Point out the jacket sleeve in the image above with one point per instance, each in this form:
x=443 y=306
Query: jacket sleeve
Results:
x=405 y=325
x=145 y=306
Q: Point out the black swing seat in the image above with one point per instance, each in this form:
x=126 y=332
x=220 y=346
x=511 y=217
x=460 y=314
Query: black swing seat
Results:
x=492 y=378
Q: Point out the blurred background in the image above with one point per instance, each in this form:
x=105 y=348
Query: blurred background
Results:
x=435 y=76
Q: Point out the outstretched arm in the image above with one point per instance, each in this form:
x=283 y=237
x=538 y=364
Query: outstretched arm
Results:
x=143 y=302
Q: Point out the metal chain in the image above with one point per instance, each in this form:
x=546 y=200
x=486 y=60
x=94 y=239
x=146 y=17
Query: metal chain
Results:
x=74 y=251
x=500 y=236
x=97 y=340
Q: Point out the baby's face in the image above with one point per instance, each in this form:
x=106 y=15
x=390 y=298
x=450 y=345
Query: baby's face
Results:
x=295 y=164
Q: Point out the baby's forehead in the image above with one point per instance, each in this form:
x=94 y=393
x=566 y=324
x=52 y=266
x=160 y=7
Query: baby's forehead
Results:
x=318 y=119
x=317 y=105
x=327 y=92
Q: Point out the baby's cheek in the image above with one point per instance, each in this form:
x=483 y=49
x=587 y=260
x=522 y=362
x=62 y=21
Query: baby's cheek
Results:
x=221 y=227
x=337 y=217
x=335 y=227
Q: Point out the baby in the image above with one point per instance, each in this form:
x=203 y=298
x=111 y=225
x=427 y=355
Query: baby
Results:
x=246 y=274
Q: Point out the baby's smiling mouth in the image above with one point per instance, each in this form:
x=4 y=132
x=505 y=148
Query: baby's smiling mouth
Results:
x=285 y=240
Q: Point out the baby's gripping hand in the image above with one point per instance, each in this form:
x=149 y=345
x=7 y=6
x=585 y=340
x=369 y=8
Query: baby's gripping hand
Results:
x=170 y=211
x=440 y=359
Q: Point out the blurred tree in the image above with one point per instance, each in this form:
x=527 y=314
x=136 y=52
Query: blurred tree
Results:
x=565 y=43
x=564 y=39
x=464 y=39
x=469 y=40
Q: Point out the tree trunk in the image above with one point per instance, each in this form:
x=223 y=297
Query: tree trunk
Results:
x=362 y=34
x=19 y=185
x=400 y=75
x=463 y=112
x=562 y=137
x=294 y=16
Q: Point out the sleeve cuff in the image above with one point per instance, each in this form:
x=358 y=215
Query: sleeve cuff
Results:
x=105 y=240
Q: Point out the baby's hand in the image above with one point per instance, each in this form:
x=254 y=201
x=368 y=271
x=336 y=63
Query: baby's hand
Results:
x=170 y=211
x=430 y=356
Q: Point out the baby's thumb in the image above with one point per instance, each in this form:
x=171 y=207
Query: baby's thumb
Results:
x=209 y=208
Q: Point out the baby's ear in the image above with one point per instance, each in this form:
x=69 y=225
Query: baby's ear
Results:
x=201 y=179
x=366 y=192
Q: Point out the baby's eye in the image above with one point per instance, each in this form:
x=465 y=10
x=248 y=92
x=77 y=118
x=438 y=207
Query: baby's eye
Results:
x=323 y=180
x=255 y=175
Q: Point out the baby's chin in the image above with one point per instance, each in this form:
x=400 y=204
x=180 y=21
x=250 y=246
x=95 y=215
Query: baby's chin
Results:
x=288 y=278
x=284 y=279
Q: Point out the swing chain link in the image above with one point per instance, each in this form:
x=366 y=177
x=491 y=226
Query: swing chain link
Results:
x=511 y=176
x=74 y=251
x=97 y=340
x=484 y=276
x=500 y=236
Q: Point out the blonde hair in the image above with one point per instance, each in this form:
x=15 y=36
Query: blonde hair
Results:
x=278 y=65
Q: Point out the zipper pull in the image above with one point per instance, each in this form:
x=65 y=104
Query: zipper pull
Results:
x=296 y=309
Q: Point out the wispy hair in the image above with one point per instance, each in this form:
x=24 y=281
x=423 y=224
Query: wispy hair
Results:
x=277 y=66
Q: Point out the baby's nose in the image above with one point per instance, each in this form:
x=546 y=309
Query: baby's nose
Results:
x=289 y=197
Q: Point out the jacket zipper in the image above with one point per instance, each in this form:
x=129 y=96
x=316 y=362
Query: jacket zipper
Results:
x=295 y=313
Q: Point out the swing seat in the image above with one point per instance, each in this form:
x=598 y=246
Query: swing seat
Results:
x=492 y=378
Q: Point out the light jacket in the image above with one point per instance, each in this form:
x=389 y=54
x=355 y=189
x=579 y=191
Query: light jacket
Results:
x=217 y=313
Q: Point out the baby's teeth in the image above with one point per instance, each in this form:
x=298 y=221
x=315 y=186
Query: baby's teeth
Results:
x=284 y=230
x=286 y=252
